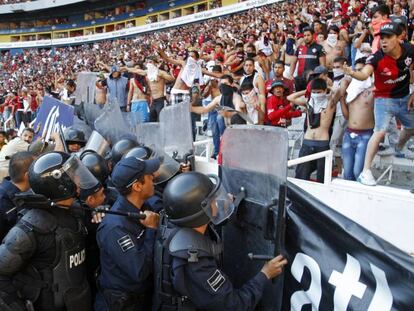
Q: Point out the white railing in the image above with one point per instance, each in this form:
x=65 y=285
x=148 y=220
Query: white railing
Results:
x=328 y=155
x=206 y=154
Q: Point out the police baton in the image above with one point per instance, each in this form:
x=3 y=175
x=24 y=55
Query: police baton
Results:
x=105 y=209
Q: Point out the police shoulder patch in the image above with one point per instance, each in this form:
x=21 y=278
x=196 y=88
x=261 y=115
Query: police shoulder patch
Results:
x=126 y=243
x=216 y=280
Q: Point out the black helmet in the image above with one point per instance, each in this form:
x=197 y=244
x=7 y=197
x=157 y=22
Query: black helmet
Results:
x=121 y=148
x=96 y=164
x=73 y=135
x=183 y=197
x=141 y=152
x=169 y=167
x=47 y=177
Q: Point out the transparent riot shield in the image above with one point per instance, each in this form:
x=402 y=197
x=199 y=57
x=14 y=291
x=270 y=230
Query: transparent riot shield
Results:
x=85 y=97
x=254 y=158
x=177 y=137
x=98 y=143
x=111 y=124
x=82 y=126
x=149 y=134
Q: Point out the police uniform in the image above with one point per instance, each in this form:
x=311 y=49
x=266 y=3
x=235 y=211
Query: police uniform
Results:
x=42 y=258
x=187 y=272
x=126 y=251
x=7 y=220
x=194 y=280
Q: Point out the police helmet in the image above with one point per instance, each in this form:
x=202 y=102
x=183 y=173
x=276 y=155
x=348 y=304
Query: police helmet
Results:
x=121 y=148
x=96 y=164
x=193 y=199
x=74 y=136
x=141 y=152
x=169 y=167
x=47 y=177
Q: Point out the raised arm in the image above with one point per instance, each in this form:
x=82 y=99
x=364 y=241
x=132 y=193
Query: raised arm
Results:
x=298 y=98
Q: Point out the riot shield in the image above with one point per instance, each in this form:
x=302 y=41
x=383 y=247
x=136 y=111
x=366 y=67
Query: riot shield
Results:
x=175 y=123
x=111 y=124
x=85 y=97
x=149 y=134
x=254 y=158
x=98 y=143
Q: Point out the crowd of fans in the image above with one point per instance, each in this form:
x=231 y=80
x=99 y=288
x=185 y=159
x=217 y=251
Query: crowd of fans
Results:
x=13 y=1
x=268 y=64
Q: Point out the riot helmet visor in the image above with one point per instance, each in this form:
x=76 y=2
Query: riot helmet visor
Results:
x=80 y=175
x=218 y=205
x=168 y=168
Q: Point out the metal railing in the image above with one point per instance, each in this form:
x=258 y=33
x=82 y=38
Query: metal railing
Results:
x=328 y=155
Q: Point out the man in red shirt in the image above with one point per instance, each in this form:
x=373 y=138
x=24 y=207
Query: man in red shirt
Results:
x=278 y=69
x=308 y=57
x=279 y=111
x=391 y=66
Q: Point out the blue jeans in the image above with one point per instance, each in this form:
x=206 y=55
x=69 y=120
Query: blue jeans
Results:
x=217 y=126
x=354 y=146
x=387 y=108
x=353 y=55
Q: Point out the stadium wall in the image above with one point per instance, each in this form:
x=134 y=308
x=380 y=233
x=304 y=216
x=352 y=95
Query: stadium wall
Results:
x=187 y=19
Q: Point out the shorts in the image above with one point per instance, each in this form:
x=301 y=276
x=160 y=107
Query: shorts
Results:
x=387 y=108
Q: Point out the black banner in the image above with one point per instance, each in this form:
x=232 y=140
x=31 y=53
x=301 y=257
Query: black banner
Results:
x=335 y=264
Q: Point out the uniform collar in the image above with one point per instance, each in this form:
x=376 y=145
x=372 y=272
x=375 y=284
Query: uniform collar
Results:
x=127 y=206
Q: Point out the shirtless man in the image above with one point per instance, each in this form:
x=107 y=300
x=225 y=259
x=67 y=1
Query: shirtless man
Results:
x=333 y=46
x=138 y=96
x=181 y=90
x=321 y=109
x=157 y=80
x=358 y=109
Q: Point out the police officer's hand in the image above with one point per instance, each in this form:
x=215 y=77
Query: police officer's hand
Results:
x=274 y=267
x=151 y=220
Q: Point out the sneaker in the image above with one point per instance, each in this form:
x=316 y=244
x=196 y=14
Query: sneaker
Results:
x=385 y=151
x=366 y=178
x=404 y=153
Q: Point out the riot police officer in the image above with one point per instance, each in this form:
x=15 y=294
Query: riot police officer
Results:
x=120 y=148
x=186 y=268
x=74 y=139
x=97 y=165
x=42 y=257
x=126 y=245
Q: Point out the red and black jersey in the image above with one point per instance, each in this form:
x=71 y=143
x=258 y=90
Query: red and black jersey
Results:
x=308 y=57
x=392 y=76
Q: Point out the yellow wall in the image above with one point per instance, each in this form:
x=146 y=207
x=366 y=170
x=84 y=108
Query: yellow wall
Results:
x=228 y=2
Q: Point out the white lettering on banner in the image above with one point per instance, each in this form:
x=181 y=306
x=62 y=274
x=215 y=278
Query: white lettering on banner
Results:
x=314 y=293
x=382 y=300
x=346 y=285
x=77 y=259
x=196 y=17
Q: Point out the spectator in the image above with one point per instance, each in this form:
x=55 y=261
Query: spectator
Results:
x=392 y=96
x=321 y=108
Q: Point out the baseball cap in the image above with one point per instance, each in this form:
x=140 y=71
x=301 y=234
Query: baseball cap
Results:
x=390 y=29
x=114 y=69
x=129 y=170
x=320 y=69
x=277 y=83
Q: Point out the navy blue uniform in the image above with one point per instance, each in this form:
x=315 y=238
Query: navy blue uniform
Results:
x=208 y=288
x=126 y=253
x=7 y=221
